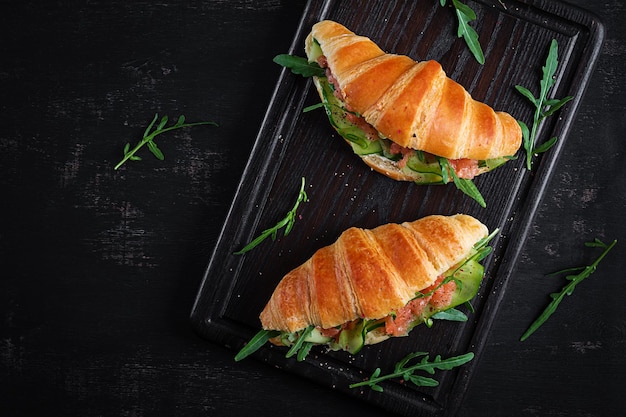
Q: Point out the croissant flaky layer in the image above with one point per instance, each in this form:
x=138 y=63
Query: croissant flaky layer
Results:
x=370 y=273
x=412 y=103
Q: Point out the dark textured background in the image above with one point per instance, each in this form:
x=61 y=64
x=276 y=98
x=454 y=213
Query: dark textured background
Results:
x=100 y=267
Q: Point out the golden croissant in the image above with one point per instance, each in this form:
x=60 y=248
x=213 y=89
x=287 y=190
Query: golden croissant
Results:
x=374 y=284
x=406 y=119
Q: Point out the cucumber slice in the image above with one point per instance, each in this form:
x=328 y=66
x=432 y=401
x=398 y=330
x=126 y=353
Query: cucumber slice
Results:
x=360 y=148
x=471 y=275
x=429 y=171
x=337 y=115
x=315 y=51
x=352 y=340
x=419 y=163
x=491 y=164
x=316 y=336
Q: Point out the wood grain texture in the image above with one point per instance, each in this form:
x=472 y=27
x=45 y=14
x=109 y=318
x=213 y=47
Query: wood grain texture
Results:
x=100 y=268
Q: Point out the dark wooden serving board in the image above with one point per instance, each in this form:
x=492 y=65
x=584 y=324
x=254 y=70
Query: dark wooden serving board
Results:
x=343 y=192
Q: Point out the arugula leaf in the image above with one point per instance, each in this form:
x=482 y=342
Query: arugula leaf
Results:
x=313 y=107
x=465 y=185
x=544 y=107
x=465 y=15
x=451 y=314
x=255 y=343
x=304 y=351
x=405 y=371
x=482 y=250
x=300 y=65
x=149 y=135
x=585 y=272
x=301 y=348
x=287 y=222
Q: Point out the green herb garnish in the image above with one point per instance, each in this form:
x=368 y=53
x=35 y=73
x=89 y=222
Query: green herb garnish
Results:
x=451 y=314
x=149 y=135
x=300 y=65
x=465 y=15
x=465 y=185
x=544 y=107
x=287 y=223
x=255 y=343
x=406 y=372
x=585 y=271
x=327 y=105
x=301 y=347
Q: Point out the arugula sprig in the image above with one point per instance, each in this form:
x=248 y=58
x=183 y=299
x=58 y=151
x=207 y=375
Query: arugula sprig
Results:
x=407 y=372
x=451 y=314
x=544 y=106
x=287 y=222
x=465 y=15
x=585 y=272
x=300 y=65
x=150 y=134
x=255 y=343
x=466 y=186
x=300 y=348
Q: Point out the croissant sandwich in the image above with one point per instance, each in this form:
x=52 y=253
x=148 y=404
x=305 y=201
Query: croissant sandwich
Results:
x=371 y=285
x=405 y=119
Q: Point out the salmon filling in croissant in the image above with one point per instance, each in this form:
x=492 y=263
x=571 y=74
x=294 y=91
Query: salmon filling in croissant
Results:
x=373 y=284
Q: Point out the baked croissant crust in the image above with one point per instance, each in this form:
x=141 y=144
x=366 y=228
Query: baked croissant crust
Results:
x=412 y=103
x=368 y=274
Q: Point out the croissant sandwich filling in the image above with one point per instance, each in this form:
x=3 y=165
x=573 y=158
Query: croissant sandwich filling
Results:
x=455 y=287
